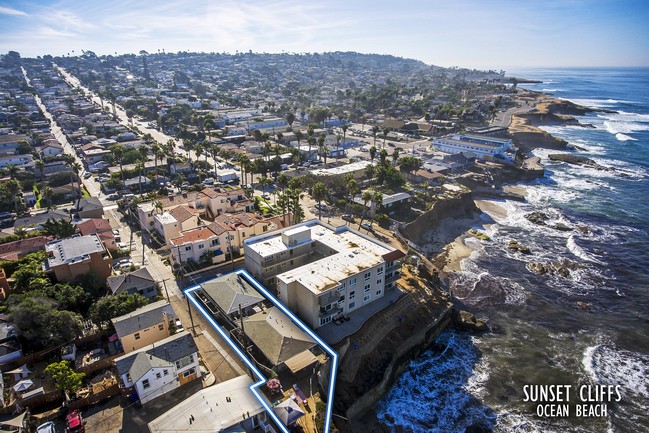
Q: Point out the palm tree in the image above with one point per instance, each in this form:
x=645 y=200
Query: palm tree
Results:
x=76 y=169
x=321 y=141
x=144 y=156
x=40 y=166
x=244 y=162
x=118 y=153
x=375 y=130
x=298 y=136
x=318 y=193
x=199 y=151
x=372 y=153
x=395 y=156
x=48 y=193
x=386 y=131
x=311 y=141
x=12 y=170
x=352 y=190
x=367 y=197
x=377 y=198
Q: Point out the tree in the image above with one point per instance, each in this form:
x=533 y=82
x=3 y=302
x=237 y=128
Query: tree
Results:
x=118 y=152
x=375 y=131
x=48 y=194
x=109 y=307
x=344 y=128
x=65 y=378
x=367 y=197
x=76 y=169
x=40 y=166
x=39 y=322
x=60 y=229
x=318 y=193
x=352 y=191
x=373 y=151
x=409 y=164
x=298 y=136
x=290 y=118
x=386 y=131
x=377 y=198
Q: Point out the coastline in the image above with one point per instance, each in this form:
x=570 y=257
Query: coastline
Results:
x=450 y=232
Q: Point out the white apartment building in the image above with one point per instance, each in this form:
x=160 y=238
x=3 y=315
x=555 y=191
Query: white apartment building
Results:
x=200 y=244
x=321 y=272
x=480 y=145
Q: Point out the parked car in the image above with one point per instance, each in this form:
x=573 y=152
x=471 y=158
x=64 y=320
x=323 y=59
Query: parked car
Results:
x=122 y=246
x=87 y=175
x=322 y=207
x=266 y=196
x=366 y=226
x=348 y=217
x=74 y=422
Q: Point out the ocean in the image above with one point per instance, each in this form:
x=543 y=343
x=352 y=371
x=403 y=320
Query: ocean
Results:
x=587 y=329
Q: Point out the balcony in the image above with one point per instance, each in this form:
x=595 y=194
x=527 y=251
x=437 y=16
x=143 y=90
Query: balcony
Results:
x=331 y=312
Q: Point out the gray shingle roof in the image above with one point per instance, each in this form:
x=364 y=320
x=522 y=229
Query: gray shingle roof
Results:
x=143 y=318
x=138 y=280
x=231 y=291
x=276 y=335
x=74 y=249
x=164 y=353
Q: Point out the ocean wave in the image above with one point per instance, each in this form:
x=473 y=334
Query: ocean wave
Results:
x=597 y=103
x=623 y=137
x=579 y=251
x=431 y=395
x=607 y=365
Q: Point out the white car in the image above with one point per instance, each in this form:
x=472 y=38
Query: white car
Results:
x=122 y=246
x=266 y=196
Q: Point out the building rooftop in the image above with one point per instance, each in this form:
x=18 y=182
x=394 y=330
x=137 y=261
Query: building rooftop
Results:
x=276 y=335
x=143 y=318
x=166 y=218
x=160 y=354
x=213 y=409
x=351 y=252
x=201 y=233
x=73 y=250
x=140 y=279
x=231 y=291
x=343 y=169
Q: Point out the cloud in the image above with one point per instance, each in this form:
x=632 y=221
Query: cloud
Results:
x=10 y=11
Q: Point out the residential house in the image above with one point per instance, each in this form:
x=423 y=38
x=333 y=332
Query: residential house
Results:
x=144 y=326
x=20 y=248
x=139 y=281
x=388 y=205
x=199 y=245
x=51 y=148
x=146 y=210
x=78 y=255
x=135 y=183
x=233 y=296
x=37 y=220
x=321 y=272
x=231 y=406
x=102 y=228
x=426 y=176
x=221 y=200
x=157 y=369
x=10 y=348
x=90 y=207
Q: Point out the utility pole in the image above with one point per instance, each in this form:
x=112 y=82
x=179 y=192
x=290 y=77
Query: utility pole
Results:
x=182 y=278
x=164 y=282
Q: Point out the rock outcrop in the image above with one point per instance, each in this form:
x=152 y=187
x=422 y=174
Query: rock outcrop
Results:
x=515 y=246
x=465 y=321
x=561 y=268
x=577 y=160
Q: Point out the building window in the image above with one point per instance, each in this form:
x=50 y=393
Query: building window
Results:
x=366 y=297
x=325 y=320
x=352 y=282
x=145 y=384
x=128 y=377
x=379 y=281
x=378 y=292
x=201 y=246
x=136 y=335
x=188 y=248
x=158 y=375
x=341 y=288
x=367 y=287
x=189 y=372
x=379 y=271
x=166 y=372
x=352 y=305
x=161 y=327
x=367 y=275
x=215 y=242
x=352 y=294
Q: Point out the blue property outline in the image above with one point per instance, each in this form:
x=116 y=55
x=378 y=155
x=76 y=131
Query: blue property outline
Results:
x=189 y=293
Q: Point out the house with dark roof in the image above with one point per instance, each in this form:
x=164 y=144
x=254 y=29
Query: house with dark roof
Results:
x=20 y=248
x=37 y=220
x=139 y=281
x=144 y=326
x=232 y=295
x=91 y=207
x=160 y=368
x=102 y=228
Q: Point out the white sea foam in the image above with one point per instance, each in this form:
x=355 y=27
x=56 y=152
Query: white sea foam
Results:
x=623 y=137
x=597 y=103
x=579 y=251
x=607 y=365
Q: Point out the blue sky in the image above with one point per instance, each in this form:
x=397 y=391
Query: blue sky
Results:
x=487 y=34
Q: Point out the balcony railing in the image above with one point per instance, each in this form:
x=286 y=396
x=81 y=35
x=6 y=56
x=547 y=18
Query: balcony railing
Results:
x=330 y=312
